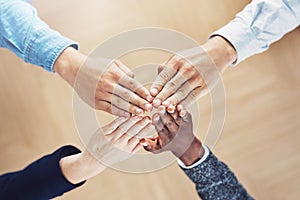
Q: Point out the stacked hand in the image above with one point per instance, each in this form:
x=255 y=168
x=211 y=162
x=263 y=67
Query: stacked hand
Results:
x=110 y=86
x=175 y=134
x=104 y=84
x=110 y=144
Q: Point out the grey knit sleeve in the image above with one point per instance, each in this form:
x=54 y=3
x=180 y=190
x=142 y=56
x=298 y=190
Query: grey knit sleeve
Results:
x=214 y=180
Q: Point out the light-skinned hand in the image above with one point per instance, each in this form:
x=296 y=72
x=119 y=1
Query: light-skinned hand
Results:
x=104 y=84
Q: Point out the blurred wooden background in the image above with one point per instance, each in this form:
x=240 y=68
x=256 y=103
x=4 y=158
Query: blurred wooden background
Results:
x=260 y=140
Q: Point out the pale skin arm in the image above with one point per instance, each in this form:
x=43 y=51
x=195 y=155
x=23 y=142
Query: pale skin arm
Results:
x=179 y=80
x=113 y=143
x=103 y=84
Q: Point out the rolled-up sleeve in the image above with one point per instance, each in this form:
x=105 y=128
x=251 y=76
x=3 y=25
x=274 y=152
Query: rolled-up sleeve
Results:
x=24 y=33
x=260 y=24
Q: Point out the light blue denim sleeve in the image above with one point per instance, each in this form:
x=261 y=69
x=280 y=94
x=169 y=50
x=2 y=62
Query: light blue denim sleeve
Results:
x=261 y=23
x=24 y=33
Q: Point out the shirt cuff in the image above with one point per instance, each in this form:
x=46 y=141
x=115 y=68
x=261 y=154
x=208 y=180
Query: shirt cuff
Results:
x=45 y=46
x=241 y=38
x=206 y=153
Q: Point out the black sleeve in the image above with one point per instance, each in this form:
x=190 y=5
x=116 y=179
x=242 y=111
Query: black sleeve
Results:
x=42 y=179
x=214 y=180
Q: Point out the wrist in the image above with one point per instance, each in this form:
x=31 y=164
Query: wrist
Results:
x=68 y=64
x=80 y=167
x=193 y=153
x=221 y=52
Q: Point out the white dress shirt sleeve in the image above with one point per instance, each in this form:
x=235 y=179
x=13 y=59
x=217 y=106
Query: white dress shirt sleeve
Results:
x=261 y=23
x=206 y=153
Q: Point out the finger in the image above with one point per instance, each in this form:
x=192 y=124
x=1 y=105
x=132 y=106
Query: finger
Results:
x=185 y=73
x=167 y=120
x=129 y=139
x=125 y=105
x=137 y=127
x=182 y=93
x=150 y=144
x=123 y=128
x=194 y=96
x=160 y=68
x=136 y=87
x=161 y=130
x=183 y=113
x=176 y=117
x=141 y=134
x=157 y=122
x=108 y=107
x=147 y=131
x=136 y=148
x=165 y=137
x=125 y=69
x=109 y=128
x=163 y=77
x=131 y=97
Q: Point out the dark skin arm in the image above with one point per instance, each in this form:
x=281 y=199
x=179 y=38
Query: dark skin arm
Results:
x=175 y=134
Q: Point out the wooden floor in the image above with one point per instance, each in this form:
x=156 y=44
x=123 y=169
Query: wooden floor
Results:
x=260 y=140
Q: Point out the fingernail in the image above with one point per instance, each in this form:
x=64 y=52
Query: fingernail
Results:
x=148 y=107
x=145 y=144
x=156 y=118
x=139 y=111
x=182 y=113
x=126 y=114
x=180 y=107
x=156 y=102
x=154 y=91
x=161 y=109
x=171 y=109
x=166 y=103
x=149 y=98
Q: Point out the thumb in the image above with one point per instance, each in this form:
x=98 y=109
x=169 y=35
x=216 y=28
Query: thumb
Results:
x=149 y=144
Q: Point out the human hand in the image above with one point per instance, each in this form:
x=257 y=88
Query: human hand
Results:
x=104 y=84
x=175 y=134
x=112 y=143
x=186 y=77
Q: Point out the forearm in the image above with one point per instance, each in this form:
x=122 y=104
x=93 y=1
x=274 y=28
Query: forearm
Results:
x=24 y=33
x=260 y=24
x=80 y=167
x=194 y=153
x=68 y=64
x=220 y=51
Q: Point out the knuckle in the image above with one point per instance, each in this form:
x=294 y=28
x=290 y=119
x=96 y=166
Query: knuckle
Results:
x=171 y=86
x=118 y=101
x=176 y=59
x=126 y=95
x=164 y=76
x=142 y=91
x=170 y=123
x=180 y=93
x=198 y=79
x=194 y=95
x=112 y=74
x=188 y=70
x=108 y=108
x=104 y=83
